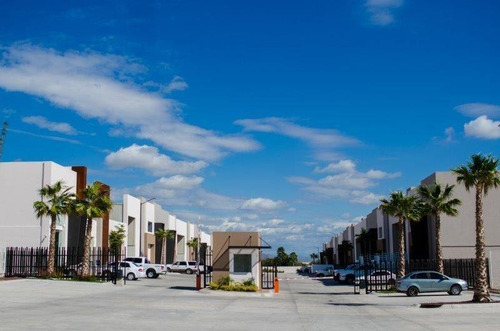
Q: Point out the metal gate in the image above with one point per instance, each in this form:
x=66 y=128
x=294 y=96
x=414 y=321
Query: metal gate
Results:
x=269 y=273
x=207 y=262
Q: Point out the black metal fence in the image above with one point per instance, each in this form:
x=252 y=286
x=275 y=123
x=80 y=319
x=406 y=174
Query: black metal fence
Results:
x=381 y=276
x=268 y=276
x=33 y=262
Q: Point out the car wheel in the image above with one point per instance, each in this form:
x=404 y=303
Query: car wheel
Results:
x=412 y=291
x=151 y=273
x=455 y=290
x=189 y=271
x=130 y=276
x=391 y=282
x=320 y=275
x=169 y=270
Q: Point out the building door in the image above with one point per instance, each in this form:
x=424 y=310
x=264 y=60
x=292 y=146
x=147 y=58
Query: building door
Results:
x=150 y=249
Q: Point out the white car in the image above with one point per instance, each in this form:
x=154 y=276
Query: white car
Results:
x=188 y=267
x=130 y=270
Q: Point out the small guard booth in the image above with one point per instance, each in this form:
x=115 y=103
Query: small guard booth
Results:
x=238 y=255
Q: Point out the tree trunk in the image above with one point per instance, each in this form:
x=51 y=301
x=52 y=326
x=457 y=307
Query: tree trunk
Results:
x=401 y=266
x=86 y=249
x=52 y=245
x=481 y=292
x=164 y=251
x=439 y=251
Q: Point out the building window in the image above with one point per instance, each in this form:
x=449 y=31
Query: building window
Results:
x=150 y=226
x=380 y=233
x=242 y=263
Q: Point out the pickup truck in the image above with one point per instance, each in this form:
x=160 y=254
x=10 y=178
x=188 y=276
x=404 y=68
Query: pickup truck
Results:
x=188 y=267
x=152 y=270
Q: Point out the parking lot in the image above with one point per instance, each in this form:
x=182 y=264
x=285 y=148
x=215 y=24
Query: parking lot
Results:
x=171 y=302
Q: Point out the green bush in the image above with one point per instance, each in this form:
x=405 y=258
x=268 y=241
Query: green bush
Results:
x=227 y=284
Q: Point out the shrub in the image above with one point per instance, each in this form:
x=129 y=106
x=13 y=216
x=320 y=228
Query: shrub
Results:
x=227 y=284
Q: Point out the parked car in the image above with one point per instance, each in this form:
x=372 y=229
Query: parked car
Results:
x=303 y=269
x=379 y=277
x=188 y=267
x=317 y=268
x=346 y=274
x=325 y=272
x=131 y=270
x=430 y=281
x=152 y=270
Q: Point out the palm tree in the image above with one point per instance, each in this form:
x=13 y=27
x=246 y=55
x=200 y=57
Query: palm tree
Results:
x=94 y=204
x=314 y=256
x=59 y=202
x=404 y=208
x=436 y=201
x=193 y=244
x=363 y=237
x=482 y=173
x=164 y=234
x=345 y=247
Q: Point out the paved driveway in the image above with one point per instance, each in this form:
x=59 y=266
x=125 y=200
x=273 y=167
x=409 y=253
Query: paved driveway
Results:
x=171 y=302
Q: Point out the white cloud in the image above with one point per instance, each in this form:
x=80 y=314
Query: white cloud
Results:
x=147 y=158
x=479 y=109
x=340 y=166
x=176 y=84
x=346 y=184
x=323 y=138
x=382 y=11
x=365 y=198
x=44 y=123
x=103 y=87
x=482 y=127
x=179 y=182
x=450 y=133
x=347 y=180
x=378 y=174
x=262 y=205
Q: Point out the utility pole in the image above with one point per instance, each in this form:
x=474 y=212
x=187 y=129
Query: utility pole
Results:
x=2 y=137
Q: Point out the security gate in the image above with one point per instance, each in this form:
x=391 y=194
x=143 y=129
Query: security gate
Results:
x=207 y=262
x=269 y=273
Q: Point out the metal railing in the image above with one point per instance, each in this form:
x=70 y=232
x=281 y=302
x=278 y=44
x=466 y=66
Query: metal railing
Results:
x=33 y=262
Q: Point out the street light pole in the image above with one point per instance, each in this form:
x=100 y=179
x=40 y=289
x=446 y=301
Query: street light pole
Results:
x=140 y=225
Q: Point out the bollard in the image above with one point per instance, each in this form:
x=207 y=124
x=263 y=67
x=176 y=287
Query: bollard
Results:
x=276 y=285
x=198 y=282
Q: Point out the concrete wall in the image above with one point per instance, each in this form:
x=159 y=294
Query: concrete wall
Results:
x=131 y=218
x=21 y=181
x=494 y=261
x=458 y=233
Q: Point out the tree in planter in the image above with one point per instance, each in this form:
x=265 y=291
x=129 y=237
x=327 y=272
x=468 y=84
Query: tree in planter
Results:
x=481 y=173
x=438 y=200
x=314 y=256
x=117 y=238
x=164 y=234
x=94 y=204
x=404 y=208
x=59 y=201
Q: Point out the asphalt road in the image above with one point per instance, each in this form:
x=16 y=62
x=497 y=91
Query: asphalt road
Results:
x=172 y=303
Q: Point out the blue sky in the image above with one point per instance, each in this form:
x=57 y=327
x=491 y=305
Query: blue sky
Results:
x=287 y=117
